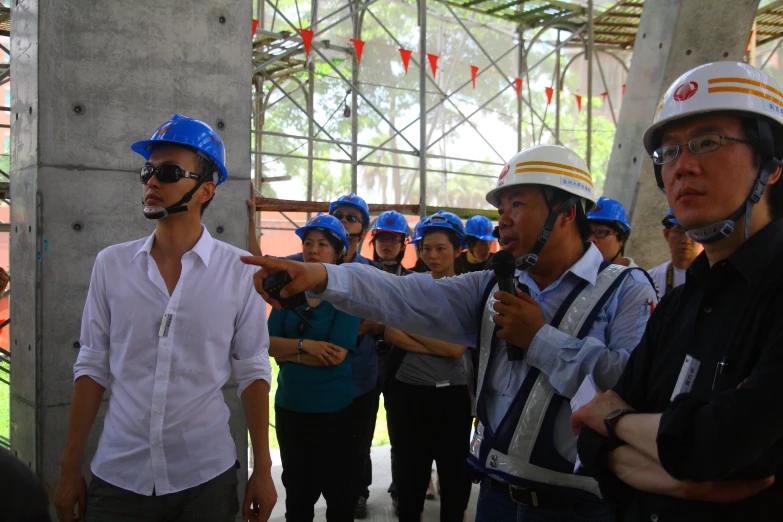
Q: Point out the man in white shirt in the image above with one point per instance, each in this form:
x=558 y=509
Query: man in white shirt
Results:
x=683 y=250
x=167 y=318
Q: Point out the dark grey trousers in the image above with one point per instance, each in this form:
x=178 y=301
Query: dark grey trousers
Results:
x=213 y=501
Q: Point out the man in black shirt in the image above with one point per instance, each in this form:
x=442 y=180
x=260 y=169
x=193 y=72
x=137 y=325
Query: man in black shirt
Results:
x=693 y=430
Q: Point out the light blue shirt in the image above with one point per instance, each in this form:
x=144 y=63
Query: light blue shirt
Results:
x=450 y=309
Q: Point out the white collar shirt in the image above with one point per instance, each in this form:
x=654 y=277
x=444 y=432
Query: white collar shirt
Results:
x=165 y=358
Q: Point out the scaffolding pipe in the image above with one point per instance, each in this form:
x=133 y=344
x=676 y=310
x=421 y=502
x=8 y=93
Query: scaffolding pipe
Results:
x=311 y=106
x=558 y=88
x=588 y=152
x=357 y=34
x=520 y=69
x=422 y=109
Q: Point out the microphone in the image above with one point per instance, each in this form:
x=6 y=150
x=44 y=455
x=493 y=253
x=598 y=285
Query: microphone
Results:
x=504 y=265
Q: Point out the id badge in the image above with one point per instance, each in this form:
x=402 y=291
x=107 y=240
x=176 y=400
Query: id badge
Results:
x=688 y=372
x=165 y=323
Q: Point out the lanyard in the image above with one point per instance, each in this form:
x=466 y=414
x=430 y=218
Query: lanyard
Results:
x=669 y=277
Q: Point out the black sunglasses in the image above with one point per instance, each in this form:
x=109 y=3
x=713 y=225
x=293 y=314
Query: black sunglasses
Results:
x=165 y=173
x=306 y=314
x=350 y=218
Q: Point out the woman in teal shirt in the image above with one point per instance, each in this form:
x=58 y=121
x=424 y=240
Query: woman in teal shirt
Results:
x=314 y=389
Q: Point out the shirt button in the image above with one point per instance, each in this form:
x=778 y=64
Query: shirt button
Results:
x=157 y=410
x=654 y=517
x=707 y=309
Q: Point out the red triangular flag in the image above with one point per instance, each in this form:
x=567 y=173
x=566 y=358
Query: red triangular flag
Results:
x=307 y=39
x=578 y=102
x=433 y=63
x=358 y=46
x=549 y=92
x=473 y=72
x=623 y=88
x=518 y=86
x=406 y=58
x=603 y=95
x=255 y=26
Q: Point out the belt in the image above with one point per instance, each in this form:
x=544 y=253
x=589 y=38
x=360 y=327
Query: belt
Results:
x=527 y=497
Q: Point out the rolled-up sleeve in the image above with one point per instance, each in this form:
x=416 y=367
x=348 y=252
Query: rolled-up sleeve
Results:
x=250 y=353
x=447 y=309
x=567 y=360
x=93 y=358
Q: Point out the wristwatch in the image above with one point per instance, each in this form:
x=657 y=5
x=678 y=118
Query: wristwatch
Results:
x=611 y=420
x=299 y=346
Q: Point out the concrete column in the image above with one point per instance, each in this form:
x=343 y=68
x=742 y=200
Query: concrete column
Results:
x=674 y=36
x=90 y=78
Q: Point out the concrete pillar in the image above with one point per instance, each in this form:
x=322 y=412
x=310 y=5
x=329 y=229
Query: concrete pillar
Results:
x=674 y=36
x=91 y=77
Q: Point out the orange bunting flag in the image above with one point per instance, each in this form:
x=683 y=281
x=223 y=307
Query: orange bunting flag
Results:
x=358 y=46
x=549 y=92
x=307 y=39
x=578 y=102
x=433 y=63
x=518 y=86
x=255 y=26
x=473 y=73
x=406 y=58
x=603 y=96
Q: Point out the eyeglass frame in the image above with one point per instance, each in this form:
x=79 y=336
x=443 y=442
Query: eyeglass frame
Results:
x=679 y=147
x=350 y=218
x=605 y=232
x=388 y=237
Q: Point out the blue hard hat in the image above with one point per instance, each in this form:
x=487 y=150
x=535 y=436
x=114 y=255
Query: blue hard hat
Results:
x=607 y=209
x=417 y=232
x=443 y=219
x=356 y=201
x=391 y=221
x=328 y=224
x=669 y=220
x=181 y=130
x=479 y=227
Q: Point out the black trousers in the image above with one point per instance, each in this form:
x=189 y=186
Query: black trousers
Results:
x=215 y=500
x=317 y=451
x=364 y=411
x=431 y=424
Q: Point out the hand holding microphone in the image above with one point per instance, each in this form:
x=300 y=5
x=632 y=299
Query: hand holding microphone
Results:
x=519 y=315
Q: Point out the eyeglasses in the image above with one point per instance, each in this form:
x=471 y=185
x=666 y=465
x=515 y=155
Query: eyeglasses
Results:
x=165 y=173
x=602 y=233
x=388 y=238
x=350 y=218
x=701 y=145
x=676 y=229
x=307 y=314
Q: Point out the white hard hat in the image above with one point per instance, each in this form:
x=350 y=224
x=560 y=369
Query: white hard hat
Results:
x=549 y=165
x=717 y=87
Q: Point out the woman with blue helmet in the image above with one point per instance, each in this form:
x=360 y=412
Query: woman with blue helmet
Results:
x=315 y=390
x=479 y=238
x=610 y=230
x=428 y=399
x=389 y=238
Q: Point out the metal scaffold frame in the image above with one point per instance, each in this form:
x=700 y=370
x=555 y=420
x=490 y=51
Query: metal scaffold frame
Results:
x=282 y=57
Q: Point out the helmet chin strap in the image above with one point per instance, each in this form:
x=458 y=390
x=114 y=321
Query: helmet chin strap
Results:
x=529 y=260
x=179 y=206
x=724 y=228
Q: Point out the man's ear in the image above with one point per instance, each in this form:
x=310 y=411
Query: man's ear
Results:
x=666 y=233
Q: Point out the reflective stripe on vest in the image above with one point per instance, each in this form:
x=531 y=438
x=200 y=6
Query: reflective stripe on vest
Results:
x=528 y=453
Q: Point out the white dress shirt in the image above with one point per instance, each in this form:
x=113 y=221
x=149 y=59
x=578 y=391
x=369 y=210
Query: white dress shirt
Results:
x=165 y=358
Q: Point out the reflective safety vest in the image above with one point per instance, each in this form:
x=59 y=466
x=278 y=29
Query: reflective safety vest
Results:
x=521 y=449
